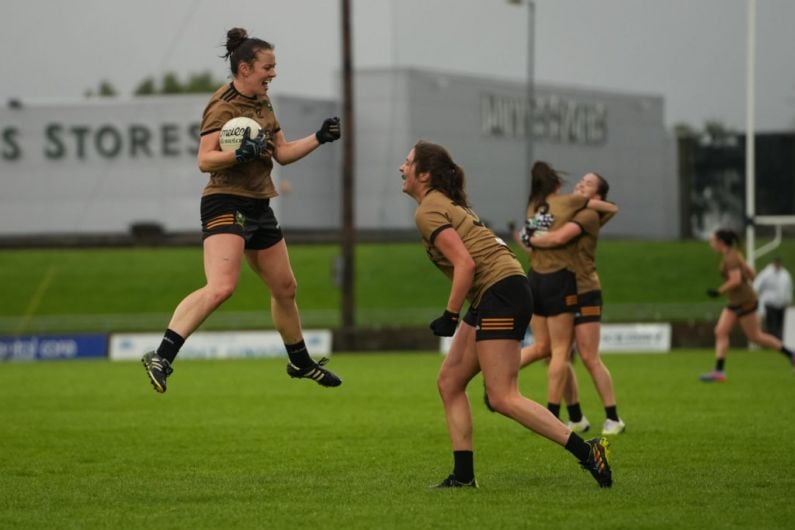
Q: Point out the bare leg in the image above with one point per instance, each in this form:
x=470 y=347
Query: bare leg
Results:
x=587 y=335
x=724 y=326
x=540 y=347
x=571 y=391
x=499 y=360
x=561 y=329
x=222 y=258
x=458 y=369
x=753 y=332
x=272 y=265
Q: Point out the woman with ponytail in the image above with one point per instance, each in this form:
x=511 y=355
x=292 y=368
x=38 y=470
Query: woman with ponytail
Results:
x=552 y=276
x=485 y=273
x=742 y=306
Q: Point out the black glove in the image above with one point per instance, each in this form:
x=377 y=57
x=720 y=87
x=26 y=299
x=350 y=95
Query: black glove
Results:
x=444 y=326
x=526 y=235
x=329 y=131
x=250 y=148
x=713 y=293
x=268 y=149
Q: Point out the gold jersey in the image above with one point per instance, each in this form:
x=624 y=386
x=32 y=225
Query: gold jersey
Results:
x=493 y=259
x=744 y=293
x=249 y=179
x=583 y=255
x=556 y=211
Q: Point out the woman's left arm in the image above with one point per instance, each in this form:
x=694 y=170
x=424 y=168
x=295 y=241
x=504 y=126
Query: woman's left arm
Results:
x=602 y=206
x=450 y=244
x=285 y=152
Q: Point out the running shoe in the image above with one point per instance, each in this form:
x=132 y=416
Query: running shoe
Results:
x=597 y=463
x=451 y=482
x=579 y=426
x=316 y=372
x=715 y=376
x=158 y=369
x=610 y=427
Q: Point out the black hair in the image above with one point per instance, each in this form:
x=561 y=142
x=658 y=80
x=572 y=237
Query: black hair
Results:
x=603 y=188
x=544 y=181
x=727 y=236
x=446 y=176
x=241 y=48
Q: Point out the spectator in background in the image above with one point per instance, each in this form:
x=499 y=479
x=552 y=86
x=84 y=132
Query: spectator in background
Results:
x=774 y=287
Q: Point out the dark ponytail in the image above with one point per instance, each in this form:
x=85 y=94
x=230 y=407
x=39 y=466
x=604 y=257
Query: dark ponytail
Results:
x=603 y=188
x=727 y=236
x=544 y=181
x=242 y=49
x=446 y=176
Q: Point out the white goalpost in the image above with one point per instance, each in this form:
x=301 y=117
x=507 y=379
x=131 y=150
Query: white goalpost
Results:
x=776 y=221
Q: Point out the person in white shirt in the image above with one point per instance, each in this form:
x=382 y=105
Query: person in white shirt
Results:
x=774 y=287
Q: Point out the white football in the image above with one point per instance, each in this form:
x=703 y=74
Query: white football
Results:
x=233 y=130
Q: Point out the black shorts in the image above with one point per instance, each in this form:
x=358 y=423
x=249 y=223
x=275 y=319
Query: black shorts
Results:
x=589 y=307
x=553 y=293
x=504 y=310
x=744 y=309
x=251 y=219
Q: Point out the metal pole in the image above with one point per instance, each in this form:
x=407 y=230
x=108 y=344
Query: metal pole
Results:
x=348 y=152
x=530 y=92
x=750 y=151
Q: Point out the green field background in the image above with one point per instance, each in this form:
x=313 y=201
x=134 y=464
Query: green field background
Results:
x=132 y=289
x=238 y=444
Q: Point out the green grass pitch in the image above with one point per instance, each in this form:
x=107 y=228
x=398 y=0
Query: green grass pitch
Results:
x=237 y=444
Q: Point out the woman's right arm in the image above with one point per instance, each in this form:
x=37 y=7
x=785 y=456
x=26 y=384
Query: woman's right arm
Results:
x=210 y=156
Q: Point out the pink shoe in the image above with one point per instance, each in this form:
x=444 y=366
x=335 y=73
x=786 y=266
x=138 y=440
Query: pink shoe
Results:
x=714 y=376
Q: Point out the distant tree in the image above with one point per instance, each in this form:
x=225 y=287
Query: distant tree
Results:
x=104 y=90
x=197 y=83
x=684 y=130
x=718 y=134
x=171 y=84
x=202 y=83
x=146 y=88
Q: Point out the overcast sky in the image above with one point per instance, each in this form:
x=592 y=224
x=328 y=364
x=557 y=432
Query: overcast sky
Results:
x=692 y=52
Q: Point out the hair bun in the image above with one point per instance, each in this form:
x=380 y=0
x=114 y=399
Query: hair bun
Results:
x=234 y=38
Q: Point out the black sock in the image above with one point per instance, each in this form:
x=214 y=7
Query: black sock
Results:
x=298 y=355
x=464 y=470
x=170 y=345
x=575 y=413
x=719 y=364
x=611 y=413
x=554 y=408
x=786 y=351
x=577 y=446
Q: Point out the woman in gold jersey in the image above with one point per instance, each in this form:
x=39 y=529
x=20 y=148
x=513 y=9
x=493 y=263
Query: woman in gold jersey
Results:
x=551 y=276
x=484 y=272
x=737 y=277
x=583 y=229
x=237 y=220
